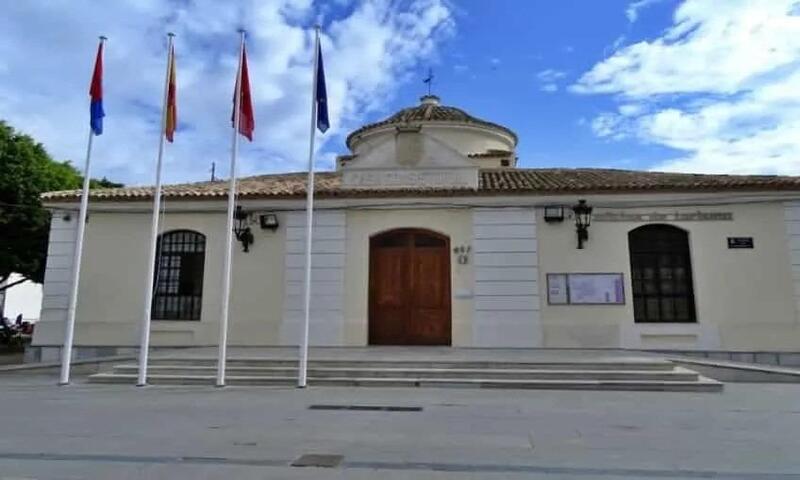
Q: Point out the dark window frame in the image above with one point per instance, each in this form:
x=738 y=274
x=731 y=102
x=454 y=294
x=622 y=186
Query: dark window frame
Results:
x=180 y=267
x=662 y=283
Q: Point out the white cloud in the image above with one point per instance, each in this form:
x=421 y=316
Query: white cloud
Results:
x=630 y=109
x=369 y=49
x=618 y=42
x=548 y=79
x=721 y=85
x=611 y=126
x=550 y=75
x=720 y=47
x=632 y=12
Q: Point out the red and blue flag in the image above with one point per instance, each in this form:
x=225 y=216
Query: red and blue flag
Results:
x=96 y=93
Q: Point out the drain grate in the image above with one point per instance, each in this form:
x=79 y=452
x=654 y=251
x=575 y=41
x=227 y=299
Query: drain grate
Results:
x=318 y=460
x=367 y=408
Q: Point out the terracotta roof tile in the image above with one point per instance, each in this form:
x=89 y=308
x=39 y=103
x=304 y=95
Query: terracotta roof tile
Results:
x=501 y=181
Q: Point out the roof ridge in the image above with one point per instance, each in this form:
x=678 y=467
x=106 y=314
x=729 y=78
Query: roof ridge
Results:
x=428 y=111
x=653 y=172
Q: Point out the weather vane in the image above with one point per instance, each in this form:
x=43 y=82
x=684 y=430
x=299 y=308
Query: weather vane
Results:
x=429 y=80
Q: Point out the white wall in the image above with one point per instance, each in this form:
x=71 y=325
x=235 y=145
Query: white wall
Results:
x=57 y=276
x=465 y=139
x=744 y=297
x=792 y=222
x=326 y=324
x=507 y=289
x=113 y=281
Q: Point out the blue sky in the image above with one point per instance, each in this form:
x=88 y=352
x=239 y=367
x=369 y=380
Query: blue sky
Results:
x=506 y=54
x=680 y=85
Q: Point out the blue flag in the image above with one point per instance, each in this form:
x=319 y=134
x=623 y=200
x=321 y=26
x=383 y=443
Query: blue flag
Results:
x=322 y=95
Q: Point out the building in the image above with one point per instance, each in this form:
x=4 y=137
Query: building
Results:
x=428 y=233
x=22 y=299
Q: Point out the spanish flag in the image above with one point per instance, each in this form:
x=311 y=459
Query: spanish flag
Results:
x=171 y=120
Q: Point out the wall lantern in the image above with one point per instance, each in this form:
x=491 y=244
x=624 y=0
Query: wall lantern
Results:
x=241 y=229
x=268 y=221
x=583 y=218
x=553 y=213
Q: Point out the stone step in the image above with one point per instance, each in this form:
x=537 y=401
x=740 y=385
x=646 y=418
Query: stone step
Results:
x=702 y=384
x=577 y=364
x=677 y=374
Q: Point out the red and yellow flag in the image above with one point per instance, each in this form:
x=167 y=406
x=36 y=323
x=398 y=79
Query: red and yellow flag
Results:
x=171 y=121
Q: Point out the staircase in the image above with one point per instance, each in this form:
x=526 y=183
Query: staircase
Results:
x=642 y=374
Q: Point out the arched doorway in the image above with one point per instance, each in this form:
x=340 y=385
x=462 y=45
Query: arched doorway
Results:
x=661 y=274
x=409 y=288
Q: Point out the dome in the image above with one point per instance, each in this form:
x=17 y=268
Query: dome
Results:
x=429 y=110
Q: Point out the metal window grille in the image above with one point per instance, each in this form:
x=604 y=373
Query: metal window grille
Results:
x=180 y=258
x=661 y=274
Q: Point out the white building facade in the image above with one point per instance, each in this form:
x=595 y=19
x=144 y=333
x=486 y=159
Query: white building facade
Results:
x=429 y=234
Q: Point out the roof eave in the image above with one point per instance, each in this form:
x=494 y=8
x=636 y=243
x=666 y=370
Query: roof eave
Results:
x=395 y=192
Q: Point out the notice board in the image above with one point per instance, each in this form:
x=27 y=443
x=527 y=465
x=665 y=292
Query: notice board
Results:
x=585 y=289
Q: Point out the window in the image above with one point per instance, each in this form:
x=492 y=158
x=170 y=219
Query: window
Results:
x=661 y=274
x=179 y=276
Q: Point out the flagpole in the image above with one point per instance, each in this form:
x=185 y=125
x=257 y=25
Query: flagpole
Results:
x=226 y=269
x=303 y=370
x=144 y=345
x=69 y=333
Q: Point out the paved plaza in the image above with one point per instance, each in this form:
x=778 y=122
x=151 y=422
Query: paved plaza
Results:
x=118 y=431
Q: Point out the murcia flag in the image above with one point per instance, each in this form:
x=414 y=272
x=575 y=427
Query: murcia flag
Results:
x=247 y=121
x=171 y=120
x=96 y=112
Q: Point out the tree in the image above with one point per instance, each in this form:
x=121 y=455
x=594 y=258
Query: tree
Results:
x=27 y=171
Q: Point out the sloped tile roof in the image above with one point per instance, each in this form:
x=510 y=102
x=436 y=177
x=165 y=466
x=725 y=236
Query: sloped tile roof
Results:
x=500 y=181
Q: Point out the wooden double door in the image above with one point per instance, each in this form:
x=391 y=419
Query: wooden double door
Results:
x=409 y=288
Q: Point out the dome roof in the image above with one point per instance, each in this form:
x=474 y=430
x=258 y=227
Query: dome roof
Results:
x=429 y=111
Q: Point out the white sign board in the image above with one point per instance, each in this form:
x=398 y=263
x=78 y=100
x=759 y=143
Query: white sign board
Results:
x=557 y=289
x=585 y=289
x=595 y=288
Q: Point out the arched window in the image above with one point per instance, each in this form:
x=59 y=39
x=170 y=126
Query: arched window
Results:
x=661 y=274
x=179 y=276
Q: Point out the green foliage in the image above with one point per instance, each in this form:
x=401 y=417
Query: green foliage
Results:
x=103 y=183
x=27 y=171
